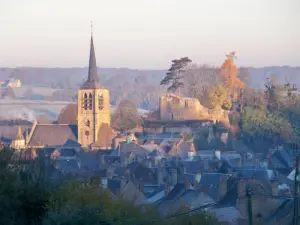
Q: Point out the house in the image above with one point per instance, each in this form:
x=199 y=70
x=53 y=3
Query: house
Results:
x=52 y=135
x=19 y=142
x=13 y=83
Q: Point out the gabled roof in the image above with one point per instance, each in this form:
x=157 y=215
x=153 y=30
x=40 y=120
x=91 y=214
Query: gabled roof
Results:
x=70 y=166
x=210 y=183
x=68 y=152
x=226 y=214
x=19 y=134
x=132 y=147
x=194 y=166
x=105 y=136
x=131 y=193
x=184 y=147
x=284 y=158
x=140 y=172
x=53 y=135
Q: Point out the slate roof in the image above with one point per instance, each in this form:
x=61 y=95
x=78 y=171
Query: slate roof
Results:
x=284 y=158
x=155 y=153
x=257 y=173
x=226 y=214
x=114 y=186
x=105 y=137
x=176 y=191
x=130 y=147
x=68 y=152
x=45 y=152
x=184 y=147
x=131 y=193
x=67 y=166
x=210 y=183
x=54 y=135
x=191 y=197
x=93 y=81
x=140 y=172
x=155 y=198
x=193 y=166
x=89 y=160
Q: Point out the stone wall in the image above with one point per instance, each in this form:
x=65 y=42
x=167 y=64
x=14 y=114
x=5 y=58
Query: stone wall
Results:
x=173 y=107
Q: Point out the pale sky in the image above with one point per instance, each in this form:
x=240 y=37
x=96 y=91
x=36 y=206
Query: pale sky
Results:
x=148 y=34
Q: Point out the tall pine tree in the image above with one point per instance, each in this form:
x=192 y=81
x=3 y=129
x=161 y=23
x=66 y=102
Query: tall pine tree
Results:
x=174 y=76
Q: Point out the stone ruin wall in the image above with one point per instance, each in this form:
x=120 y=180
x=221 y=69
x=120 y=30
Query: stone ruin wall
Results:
x=173 y=107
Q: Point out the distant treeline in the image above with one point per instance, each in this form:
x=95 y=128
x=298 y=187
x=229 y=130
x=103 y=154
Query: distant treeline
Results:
x=14 y=122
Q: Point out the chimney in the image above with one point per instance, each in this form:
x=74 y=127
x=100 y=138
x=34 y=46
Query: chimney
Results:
x=274 y=184
x=239 y=164
x=222 y=187
x=124 y=160
x=109 y=172
x=205 y=165
x=167 y=189
x=186 y=183
x=149 y=162
x=174 y=177
x=182 y=169
x=159 y=176
x=79 y=164
x=102 y=160
x=218 y=154
x=156 y=161
x=123 y=183
x=127 y=175
x=141 y=186
x=197 y=177
x=242 y=187
x=104 y=182
x=241 y=202
x=191 y=155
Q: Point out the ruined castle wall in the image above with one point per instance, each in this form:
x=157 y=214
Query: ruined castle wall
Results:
x=173 y=107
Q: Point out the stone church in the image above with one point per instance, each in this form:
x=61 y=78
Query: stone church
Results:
x=93 y=122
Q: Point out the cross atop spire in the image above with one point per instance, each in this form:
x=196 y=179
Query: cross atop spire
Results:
x=93 y=81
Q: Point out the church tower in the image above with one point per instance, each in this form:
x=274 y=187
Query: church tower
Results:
x=93 y=105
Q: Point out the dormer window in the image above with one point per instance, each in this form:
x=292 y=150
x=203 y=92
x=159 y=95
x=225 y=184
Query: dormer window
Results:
x=100 y=102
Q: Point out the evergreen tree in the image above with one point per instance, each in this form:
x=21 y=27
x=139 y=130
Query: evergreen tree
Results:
x=174 y=76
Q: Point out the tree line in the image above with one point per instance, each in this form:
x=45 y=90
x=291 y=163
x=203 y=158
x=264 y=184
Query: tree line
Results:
x=263 y=117
x=29 y=197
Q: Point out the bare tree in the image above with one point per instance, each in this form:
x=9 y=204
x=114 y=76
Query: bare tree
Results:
x=199 y=79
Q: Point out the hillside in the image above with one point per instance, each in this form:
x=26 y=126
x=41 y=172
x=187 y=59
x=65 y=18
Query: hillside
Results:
x=140 y=86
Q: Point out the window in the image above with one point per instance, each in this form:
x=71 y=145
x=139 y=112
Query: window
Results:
x=101 y=102
x=87 y=123
x=186 y=104
x=85 y=101
x=90 y=101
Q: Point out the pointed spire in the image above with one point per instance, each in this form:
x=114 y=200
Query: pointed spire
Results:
x=93 y=81
x=19 y=134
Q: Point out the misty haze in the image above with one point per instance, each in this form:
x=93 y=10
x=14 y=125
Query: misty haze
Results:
x=155 y=112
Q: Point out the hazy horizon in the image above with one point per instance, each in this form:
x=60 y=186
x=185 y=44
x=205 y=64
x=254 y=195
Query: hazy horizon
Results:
x=148 y=34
